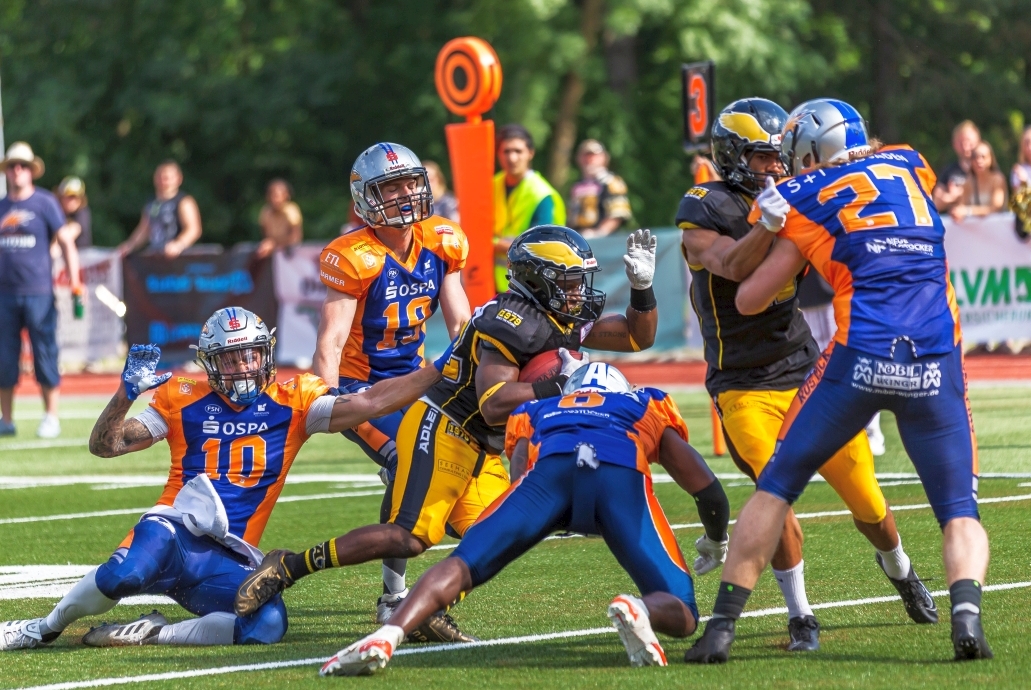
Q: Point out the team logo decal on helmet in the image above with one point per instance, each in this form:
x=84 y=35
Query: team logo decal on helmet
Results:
x=375 y=167
x=597 y=376
x=742 y=129
x=238 y=351
x=554 y=267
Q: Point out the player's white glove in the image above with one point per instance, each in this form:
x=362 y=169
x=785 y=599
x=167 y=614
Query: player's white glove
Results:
x=140 y=372
x=571 y=363
x=711 y=554
x=773 y=205
x=640 y=259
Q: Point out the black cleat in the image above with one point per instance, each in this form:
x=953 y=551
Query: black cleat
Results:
x=269 y=579
x=440 y=627
x=968 y=637
x=917 y=600
x=804 y=632
x=713 y=647
x=144 y=630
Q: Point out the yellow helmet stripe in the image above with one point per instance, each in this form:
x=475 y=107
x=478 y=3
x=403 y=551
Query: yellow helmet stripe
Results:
x=745 y=126
x=556 y=252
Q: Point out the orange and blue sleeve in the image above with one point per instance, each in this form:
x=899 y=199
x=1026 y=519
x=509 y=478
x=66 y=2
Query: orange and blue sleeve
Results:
x=670 y=415
x=519 y=426
x=162 y=403
x=337 y=271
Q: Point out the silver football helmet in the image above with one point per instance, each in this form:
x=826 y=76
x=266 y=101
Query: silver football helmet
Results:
x=597 y=376
x=382 y=163
x=238 y=351
x=823 y=130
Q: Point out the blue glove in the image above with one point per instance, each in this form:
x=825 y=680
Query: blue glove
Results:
x=440 y=362
x=140 y=373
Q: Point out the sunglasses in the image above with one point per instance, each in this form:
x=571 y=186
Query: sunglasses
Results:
x=15 y=165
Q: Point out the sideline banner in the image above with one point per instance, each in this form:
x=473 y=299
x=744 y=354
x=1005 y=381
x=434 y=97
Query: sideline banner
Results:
x=167 y=301
x=300 y=293
x=99 y=334
x=991 y=273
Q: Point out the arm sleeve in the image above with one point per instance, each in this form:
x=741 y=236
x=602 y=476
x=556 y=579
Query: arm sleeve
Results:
x=154 y=422
x=519 y=426
x=336 y=271
x=319 y=415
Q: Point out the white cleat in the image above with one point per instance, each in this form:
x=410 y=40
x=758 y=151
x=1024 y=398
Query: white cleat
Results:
x=630 y=617
x=21 y=635
x=387 y=604
x=366 y=656
x=141 y=631
x=49 y=427
x=711 y=554
x=875 y=436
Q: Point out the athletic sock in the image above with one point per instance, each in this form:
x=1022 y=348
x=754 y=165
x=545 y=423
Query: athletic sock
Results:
x=713 y=510
x=730 y=601
x=896 y=562
x=85 y=599
x=213 y=629
x=316 y=558
x=792 y=586
x=394 y=575
x=966 y=596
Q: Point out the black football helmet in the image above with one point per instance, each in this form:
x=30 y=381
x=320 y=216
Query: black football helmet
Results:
x=741 y=129
x=554 y=267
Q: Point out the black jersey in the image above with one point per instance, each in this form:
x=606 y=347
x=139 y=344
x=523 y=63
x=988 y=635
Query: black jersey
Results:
x=511 y=325
x=769 y=351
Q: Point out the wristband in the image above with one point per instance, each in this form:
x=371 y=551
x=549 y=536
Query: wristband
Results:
x=643 y=300
x=549 y=388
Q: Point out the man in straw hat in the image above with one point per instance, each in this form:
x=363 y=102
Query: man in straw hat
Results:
x=30 y=221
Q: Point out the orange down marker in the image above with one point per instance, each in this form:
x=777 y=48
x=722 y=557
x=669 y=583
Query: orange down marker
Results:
x=468 y=80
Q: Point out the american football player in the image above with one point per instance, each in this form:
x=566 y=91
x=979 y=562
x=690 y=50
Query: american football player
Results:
x=583 y=464
x=758 y=361
x=232 y=440
x=450 y=441
x=863 y=216
x=384 y=280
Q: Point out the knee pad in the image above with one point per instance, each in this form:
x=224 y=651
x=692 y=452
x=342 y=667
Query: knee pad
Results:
x=129 y=572
x=267 y=625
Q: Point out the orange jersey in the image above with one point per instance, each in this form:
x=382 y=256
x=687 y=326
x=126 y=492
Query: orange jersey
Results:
x=620 y=428
x=245 y=451
x=395 y=298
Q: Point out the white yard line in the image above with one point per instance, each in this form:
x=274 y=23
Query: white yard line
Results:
x=405 y=651
x=140 y=511
x=38 y=445
x=111 y=481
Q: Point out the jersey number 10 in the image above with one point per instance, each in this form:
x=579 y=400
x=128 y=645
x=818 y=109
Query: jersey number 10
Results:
x=254 y=444
x=865 y=189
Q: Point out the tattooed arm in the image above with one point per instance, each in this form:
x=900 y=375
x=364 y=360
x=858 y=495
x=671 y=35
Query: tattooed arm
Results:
x=114 y=435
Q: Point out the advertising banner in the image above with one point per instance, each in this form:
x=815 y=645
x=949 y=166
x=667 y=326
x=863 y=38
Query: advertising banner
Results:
x=98 y=335
x=991 y=273
x=168 y=300
x=300 y=294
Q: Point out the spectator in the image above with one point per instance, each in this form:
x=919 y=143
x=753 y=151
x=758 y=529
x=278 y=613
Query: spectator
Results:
x=170 y=222
x=522 y=197
x=30 y=221
x=280 y=219
x=985 y=189
x=598 y=204
x=1021 y=174
x=949 y=190
x=444 y=202
x=72 y=195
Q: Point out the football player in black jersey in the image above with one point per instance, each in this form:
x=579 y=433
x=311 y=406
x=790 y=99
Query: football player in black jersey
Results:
x=756 y=363
x=450 y=442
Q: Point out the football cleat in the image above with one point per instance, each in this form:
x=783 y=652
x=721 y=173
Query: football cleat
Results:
x=23 y=635
x=711 y=554
x=917 y=600
x=387 y=604
x=968 y=637
x=440 y=627
x=364 y=657
x=713 y=647
x=142 y=631
x=804 y=634
x=630 y=617
x=269 y=579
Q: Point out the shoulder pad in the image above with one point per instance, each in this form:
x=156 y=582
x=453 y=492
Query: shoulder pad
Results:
x=514 y=326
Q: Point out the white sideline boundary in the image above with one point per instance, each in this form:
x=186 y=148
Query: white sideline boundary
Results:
x=501 y=641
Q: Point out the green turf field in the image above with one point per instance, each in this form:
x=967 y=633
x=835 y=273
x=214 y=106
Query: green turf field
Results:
x=561 y=586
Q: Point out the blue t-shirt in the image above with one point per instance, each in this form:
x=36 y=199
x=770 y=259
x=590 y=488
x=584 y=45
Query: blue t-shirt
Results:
x=26 y=230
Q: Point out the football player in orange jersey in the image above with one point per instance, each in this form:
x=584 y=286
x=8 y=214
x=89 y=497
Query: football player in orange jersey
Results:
x=384 y=280
x=233 y=439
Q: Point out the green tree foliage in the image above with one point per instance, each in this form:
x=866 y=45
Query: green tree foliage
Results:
x=239 y=91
